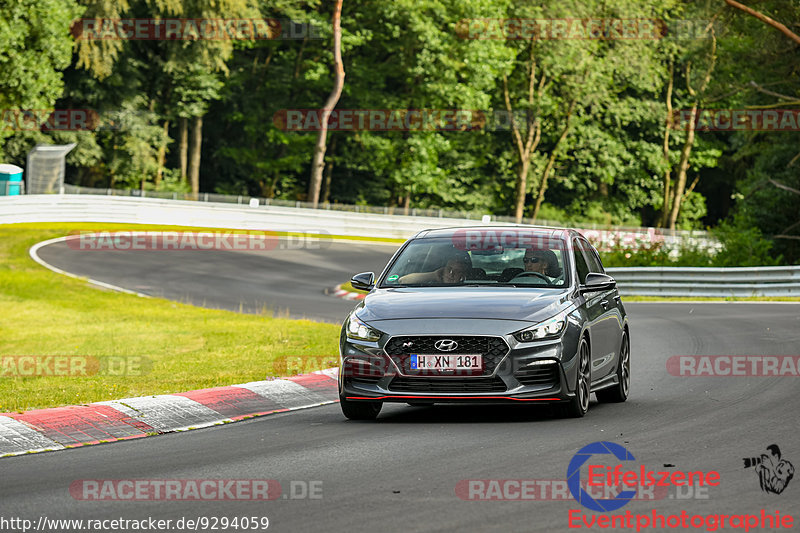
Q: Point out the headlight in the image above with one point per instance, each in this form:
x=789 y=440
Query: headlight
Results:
x=356 y=329
x=549 y=329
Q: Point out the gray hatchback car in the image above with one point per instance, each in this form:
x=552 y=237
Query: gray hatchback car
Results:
x=511 y=314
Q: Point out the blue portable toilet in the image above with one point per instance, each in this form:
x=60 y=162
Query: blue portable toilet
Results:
x=10 y=180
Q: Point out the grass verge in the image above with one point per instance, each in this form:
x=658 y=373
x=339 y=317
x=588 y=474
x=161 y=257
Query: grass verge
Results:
x=144 y=346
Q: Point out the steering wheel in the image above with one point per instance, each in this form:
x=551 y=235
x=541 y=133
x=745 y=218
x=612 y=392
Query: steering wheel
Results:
x=528 y=274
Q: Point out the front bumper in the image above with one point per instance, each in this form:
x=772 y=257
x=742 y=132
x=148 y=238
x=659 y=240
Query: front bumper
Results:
x=527 y=373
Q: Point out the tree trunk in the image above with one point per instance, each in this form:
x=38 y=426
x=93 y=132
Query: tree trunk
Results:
x=765 y=19
x=326 y=184
x=665 y=206
x=407 y=202
x=183 y=136
x=552 y=160
x=162 y=154
x=686 y=151
x=195 y=149
x=522 y=184
x=528 y=145
x=318 y=160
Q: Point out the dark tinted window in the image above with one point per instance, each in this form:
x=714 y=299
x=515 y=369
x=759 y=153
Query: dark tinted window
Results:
x=592 y=259
x=580 y=263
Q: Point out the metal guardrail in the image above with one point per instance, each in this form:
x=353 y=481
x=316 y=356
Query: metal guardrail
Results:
x=645 y=281
x=708 y=282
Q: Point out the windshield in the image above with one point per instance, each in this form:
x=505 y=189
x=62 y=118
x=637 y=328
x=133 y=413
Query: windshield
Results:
x=441 y=262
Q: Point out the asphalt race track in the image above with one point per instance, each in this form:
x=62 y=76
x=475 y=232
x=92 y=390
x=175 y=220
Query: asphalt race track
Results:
x=282 y=280
x=401 y=472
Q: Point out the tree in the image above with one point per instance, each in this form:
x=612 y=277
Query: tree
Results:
x=318 y=159
x=35 y=47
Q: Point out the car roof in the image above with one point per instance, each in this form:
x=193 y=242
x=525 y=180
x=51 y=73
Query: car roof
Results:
x=549 y=231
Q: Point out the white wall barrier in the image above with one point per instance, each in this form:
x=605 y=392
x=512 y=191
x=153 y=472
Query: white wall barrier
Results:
x=655 y=281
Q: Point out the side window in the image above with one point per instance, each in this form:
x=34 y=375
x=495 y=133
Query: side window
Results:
x=580 y=263
x=592 y=259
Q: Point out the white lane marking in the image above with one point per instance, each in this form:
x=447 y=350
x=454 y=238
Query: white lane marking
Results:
x=17 y=438
x=287 y=394
x=332 y=373
x=33 y=252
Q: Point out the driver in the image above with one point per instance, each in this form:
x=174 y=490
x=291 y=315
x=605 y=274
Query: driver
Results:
x=542 y=262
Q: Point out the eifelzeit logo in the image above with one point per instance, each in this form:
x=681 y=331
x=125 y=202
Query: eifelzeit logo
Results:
x=774 y=473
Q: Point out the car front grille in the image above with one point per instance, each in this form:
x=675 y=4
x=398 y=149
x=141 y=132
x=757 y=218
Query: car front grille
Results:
x=456 y=385
x=540 y=374
x=493 y=349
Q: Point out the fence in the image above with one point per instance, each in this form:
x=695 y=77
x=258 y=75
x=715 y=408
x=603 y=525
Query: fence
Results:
x=708 y=282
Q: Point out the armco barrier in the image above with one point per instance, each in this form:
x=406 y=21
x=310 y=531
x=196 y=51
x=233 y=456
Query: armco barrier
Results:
x=708 y=282
x=655 y=281
x=239 y=215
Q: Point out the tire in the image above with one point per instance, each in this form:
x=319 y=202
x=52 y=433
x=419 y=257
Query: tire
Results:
x=360 y=410
x=619 y=392
x=578 y=405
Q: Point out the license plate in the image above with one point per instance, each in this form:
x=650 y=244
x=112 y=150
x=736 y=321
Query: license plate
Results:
x=446 y=362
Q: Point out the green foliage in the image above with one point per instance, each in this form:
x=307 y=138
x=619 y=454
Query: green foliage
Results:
x=35 y=46
x=407 y=54
x=743 y=245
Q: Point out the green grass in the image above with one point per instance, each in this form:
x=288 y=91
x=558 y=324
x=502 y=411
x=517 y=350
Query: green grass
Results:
x=184 y=347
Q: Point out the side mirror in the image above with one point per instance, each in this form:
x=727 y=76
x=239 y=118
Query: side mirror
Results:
x=598 y=282
x=364 y=281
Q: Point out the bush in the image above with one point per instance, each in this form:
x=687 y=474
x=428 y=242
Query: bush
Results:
x=741 y=245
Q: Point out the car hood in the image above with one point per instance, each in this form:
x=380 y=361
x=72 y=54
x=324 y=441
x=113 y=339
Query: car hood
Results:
x=507 y=303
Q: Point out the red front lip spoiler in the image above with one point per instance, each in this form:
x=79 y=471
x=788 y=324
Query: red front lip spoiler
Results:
x=456 y=398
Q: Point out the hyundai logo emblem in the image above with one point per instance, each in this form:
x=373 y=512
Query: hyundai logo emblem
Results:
x=445 y=345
